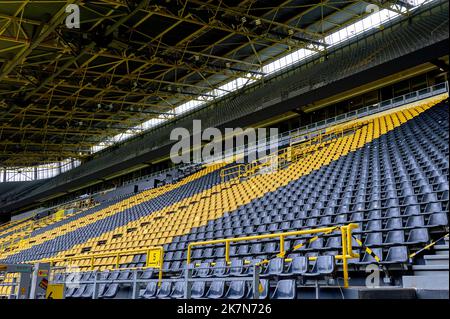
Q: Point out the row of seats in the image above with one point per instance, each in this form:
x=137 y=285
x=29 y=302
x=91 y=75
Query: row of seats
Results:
x=238 y=289
x=375 y=221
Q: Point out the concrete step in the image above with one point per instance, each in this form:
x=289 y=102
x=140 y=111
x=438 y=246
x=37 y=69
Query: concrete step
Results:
x=438 y=282
x=441 y=249
x=436 y=259
x=387 y=293
x=430 y=270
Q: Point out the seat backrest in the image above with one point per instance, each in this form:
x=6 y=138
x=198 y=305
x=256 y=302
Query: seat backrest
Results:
x=373 y=239
x=263 y=290
x=316 y=244
x=299 y=265
x=112 y=291
x=203 y=270
x=395 y=237
x=276 y=266
x=418 y=235
x=334 y=242
x=220 y=268
x=165 y=289
x=243 y=249
x=217 y=289
x=256 y=248
x=397 y=254
x=147 y=274
x=236 y=290
x=285 y=289
x=175 y=266
x=415 y=221
x=198 y=289
x=124 y=275
x=178 y=289
x=236 y=267
x=151 y=288
x=369 y=258
x=325 y=264
x=438 y=219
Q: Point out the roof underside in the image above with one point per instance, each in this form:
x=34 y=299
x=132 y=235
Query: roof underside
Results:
x=64 y=90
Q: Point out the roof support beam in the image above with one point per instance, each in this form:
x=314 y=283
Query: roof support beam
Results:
x=46 y=31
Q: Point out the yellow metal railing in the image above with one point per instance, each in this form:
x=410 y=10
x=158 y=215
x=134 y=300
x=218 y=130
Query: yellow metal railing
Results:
x=232 y=172
x=154 y=259
x=346 y=236
x=318 y=136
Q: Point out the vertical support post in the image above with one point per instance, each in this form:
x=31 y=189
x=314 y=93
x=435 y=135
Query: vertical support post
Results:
x=227 y=251
x=135 y=292
x=344 y=255
x=256 y=268
x=95 y=290
x=160 y=275
x=187 y=282
x=317 y=289
x=189 y=254
x=282 y=246
x=349 y=241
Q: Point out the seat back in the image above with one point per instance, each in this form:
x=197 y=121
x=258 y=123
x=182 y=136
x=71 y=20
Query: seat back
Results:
x=325 y=264
x=285 y=289
x=216 y=290
x=299 y=265
x=276 y=266
x=198 y=289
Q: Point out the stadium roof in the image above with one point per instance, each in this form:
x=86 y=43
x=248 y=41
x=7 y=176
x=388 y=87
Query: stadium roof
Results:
x=65 y=93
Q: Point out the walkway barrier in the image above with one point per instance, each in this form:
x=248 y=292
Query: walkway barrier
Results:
x=154 y=258
x=346 y=236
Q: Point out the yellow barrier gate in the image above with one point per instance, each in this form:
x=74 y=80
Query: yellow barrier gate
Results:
x=346 y=236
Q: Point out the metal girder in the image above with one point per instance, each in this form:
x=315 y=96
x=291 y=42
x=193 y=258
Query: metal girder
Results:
x=46 y=30
x=52 y=80
x=234 y=12
x=109 y=31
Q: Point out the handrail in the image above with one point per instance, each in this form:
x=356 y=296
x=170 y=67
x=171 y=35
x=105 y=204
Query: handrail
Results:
x=346 y=235
x=154 y=259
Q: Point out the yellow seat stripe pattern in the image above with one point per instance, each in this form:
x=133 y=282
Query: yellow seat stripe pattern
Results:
x=175 y=220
